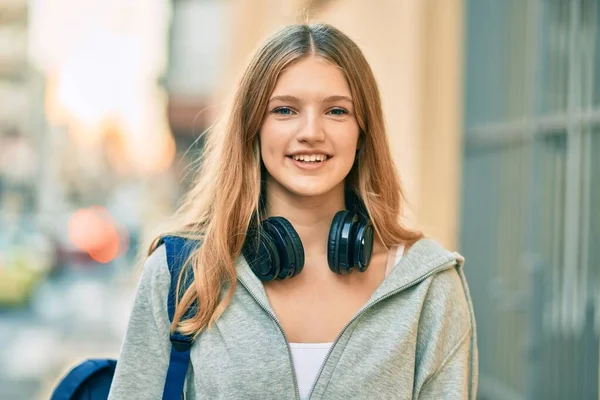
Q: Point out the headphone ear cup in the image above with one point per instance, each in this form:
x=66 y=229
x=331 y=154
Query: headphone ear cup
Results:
x=334 y=233
x=292 y=260
x=339 y=248
x=362 y=244
x=261 y=254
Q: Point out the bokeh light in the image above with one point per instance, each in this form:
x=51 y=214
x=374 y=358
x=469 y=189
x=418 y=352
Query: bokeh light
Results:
x=94 y=231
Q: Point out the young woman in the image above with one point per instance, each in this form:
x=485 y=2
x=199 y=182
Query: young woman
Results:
x=298 y=201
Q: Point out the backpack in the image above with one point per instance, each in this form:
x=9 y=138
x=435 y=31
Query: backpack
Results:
x=91 y=379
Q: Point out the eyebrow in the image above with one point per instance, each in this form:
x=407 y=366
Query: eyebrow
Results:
x=325 y=100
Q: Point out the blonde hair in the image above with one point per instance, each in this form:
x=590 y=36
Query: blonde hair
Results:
x=226 y=197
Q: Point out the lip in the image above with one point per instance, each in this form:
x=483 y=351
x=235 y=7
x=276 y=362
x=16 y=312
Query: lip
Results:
x=308 y=166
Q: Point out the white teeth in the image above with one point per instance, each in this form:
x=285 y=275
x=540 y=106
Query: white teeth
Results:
x=309 y=158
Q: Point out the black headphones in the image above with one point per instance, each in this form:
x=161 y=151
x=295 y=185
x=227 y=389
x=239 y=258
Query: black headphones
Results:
x=275 y=251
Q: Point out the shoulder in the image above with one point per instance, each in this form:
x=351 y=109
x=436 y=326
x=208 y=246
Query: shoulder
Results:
x=448 y=298
x=428 y=258
x=447 y=317
x=156 y=263
x=155 y=279
x=162 y=264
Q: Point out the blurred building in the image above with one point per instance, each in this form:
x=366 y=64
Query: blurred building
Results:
x=199 y=35
x=531 y=191
x=17 y=137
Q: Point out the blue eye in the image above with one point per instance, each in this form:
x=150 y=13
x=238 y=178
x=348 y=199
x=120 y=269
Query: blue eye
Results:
x=282 y=111
x=338 y=111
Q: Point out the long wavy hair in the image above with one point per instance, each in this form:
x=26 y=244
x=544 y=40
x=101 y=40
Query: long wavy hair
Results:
x=225 y=198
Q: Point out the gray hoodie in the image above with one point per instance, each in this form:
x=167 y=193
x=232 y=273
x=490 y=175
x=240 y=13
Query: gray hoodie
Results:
x=414 y=339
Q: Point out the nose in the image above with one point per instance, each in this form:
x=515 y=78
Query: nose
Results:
x=312 y=130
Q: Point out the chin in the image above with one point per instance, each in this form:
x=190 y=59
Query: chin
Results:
x=311 y=189
x=303 y=192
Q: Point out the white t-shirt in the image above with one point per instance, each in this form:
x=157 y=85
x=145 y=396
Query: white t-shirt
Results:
x=308 y=357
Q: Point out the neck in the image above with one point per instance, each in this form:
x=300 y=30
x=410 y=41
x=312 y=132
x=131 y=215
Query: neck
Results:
x=310 y=216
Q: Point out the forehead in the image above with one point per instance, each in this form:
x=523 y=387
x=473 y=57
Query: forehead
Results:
x=312 y=76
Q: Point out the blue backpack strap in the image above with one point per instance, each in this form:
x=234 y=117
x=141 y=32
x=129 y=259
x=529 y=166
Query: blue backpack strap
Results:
x=178 y=252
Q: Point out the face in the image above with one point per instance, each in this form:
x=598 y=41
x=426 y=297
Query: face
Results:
x=309 y=135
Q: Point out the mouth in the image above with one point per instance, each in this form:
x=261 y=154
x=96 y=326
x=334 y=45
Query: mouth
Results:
x=309 y=163
x=309 y=159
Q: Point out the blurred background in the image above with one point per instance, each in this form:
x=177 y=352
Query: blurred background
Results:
x=493 y=111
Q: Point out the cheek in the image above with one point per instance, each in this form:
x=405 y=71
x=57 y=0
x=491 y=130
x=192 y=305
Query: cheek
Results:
x=272 y=144
x=345 y=142
x=275 y=137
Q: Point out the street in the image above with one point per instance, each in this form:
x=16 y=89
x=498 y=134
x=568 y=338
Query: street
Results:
x=80 y=314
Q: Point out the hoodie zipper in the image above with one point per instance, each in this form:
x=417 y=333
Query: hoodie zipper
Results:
x=287 y=343
x=361 y=312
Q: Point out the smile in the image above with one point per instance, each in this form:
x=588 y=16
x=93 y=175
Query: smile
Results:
x=310 y=157
x=308 y=163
